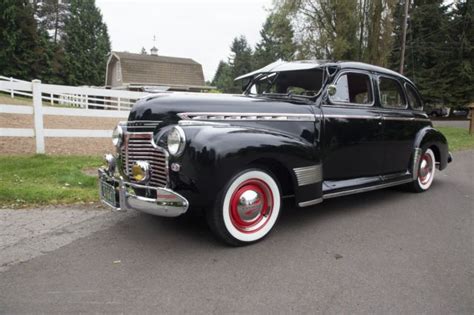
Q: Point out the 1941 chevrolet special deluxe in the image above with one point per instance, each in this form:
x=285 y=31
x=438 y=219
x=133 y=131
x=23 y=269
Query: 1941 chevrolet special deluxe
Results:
x=306 y=130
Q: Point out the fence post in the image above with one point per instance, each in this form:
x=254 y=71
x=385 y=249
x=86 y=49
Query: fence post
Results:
x=12 y=91
x=38 y=116
x=118 y=103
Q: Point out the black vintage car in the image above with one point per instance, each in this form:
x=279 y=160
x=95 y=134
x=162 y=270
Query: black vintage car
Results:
x=307 y=130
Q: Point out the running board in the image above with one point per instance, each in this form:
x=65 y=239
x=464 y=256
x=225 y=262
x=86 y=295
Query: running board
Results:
x=366 y=188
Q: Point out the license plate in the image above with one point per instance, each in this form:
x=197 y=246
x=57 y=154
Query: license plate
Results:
x=108 y=194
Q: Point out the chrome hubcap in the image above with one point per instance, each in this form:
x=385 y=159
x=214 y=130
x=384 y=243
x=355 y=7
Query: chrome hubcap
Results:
x=251 y=206
x=426 y=169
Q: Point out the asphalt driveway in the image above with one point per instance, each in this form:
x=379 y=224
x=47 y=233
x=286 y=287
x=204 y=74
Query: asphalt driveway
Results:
x=381 y=252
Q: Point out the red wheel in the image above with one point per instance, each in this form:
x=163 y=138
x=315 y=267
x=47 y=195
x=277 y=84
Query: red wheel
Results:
x=426 y=172
x=427 y=169
x=247 y=209
x=251 y=206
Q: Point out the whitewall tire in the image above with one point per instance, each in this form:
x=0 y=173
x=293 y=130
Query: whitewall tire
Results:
x=247 y=208
x=426 y=171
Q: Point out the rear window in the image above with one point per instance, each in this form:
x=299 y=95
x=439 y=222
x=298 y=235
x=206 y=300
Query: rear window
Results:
x=413 y=98
x=391 y=93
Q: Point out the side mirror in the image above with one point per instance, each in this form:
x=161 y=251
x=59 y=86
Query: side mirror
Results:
x=332 y=90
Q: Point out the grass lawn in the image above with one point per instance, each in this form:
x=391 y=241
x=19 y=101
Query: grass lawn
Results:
x=18 y=100
x=40 y=179
x=458 y=138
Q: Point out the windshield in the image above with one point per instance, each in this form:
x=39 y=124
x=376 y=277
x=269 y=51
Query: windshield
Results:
x=305 y=83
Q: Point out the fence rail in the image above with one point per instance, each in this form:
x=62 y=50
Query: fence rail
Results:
x=93 y=102
x=82 y=97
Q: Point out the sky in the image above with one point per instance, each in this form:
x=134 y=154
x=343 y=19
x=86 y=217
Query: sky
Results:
x=202 y=29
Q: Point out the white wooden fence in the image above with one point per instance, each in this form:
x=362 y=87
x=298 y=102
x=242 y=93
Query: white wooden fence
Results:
x=92 y=102
x=71 y=96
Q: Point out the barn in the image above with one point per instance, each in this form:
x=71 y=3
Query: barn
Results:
x=153 y=72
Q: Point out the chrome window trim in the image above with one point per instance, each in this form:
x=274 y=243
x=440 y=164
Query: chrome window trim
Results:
x=401 y=87
x=349 y=104
x=233 y=116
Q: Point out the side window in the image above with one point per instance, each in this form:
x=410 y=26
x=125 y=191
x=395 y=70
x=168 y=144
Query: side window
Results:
x=353 y=88
x=391 y=93
x=413 y=98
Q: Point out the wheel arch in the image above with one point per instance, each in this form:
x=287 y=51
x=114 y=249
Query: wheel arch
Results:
x=429 y=137
x=282 y=173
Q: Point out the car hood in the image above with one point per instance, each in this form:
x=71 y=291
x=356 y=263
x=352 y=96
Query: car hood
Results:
x=166 y=107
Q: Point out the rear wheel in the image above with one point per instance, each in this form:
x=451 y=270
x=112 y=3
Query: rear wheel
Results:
x=246 y=209
x=426 y=172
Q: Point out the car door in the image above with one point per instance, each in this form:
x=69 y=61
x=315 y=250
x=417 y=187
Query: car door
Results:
x=399 y=125
x=352 y=128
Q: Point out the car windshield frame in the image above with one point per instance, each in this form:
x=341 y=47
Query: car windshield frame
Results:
x=283 y=96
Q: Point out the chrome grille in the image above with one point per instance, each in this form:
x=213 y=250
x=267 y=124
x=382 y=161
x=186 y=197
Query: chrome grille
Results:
x=138 y=147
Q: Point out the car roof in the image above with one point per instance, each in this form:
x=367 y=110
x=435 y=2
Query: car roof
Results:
x=280 y=66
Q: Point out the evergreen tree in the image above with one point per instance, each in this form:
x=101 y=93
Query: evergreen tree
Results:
x=240 y=61
x=223 y=79
x=277 y=41
x=461 y=57
x=86 y=44
x=25 y=52
x=52 y=15
x=429 y=49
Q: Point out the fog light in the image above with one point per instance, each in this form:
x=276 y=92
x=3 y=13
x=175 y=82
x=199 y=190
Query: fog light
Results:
x=110 y=164
x=141 y=171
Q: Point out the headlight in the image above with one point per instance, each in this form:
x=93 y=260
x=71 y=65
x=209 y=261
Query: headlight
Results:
x=176 y=141
x=117 y=136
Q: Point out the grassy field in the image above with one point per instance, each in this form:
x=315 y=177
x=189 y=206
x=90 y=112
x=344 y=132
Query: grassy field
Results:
x=18 y=100
x=40 y=179
x=458 y=138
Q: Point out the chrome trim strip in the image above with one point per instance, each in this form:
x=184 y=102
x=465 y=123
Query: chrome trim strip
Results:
x=142 y=123
x=416 y=162
x=246 y=116
x=365 y=189
x=405 y=118
x=375 y=117
x=310 y=202
x=352 y=116
x=200 y=123
x=308 y=175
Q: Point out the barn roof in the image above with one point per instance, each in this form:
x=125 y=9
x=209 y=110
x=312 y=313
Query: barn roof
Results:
x=139 y=69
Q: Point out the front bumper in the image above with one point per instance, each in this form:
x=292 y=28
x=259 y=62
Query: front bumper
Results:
x=120 y=195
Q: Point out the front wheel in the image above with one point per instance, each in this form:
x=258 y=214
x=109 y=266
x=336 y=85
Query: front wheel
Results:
x=426 y=172
x=246 y=209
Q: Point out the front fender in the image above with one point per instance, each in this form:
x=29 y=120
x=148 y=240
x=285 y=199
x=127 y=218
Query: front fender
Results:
x=429 y=137
x=214 y=153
